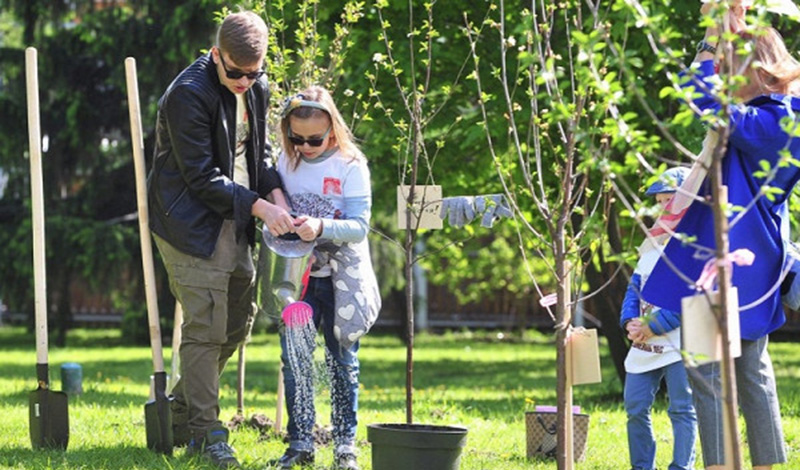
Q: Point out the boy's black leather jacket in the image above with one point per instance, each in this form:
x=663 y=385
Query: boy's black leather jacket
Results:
x=190 y=186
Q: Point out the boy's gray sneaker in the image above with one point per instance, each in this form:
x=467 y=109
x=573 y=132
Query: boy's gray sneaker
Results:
x=214 y=447
x=345 y=461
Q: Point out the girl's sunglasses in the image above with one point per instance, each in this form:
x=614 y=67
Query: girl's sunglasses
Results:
x=315 y=142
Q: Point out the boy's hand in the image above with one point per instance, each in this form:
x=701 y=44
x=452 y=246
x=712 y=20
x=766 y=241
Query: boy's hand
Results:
x=279 y=199
x=277 y=220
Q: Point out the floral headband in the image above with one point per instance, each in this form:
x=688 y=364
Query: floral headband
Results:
x=299 y=101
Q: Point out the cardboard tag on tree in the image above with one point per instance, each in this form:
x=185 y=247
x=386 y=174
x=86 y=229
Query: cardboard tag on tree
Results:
x=701 y=335
x=584 y=356
x=426 y=207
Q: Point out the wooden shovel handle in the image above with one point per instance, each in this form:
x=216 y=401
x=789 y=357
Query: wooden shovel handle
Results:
x=37 y=204
x=240 y=375
x=137 y=142
x=177 y=335
x=279 y=401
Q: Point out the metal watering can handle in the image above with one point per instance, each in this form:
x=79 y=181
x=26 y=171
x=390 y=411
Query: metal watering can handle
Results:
x=289 y=236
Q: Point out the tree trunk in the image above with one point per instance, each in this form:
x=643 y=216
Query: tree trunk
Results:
x=398 y=299
x=29 y=18
x=564 y=449
x=409 y=323
x=730 y=415
x=64 y=308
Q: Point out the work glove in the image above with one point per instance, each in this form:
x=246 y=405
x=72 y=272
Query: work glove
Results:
x=459 y=210
x=492 y=206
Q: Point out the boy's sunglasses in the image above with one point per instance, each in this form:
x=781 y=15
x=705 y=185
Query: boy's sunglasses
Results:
x=316 y=142
x=236 y=75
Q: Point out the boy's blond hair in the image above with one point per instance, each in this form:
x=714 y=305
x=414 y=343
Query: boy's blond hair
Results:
x=243 y=36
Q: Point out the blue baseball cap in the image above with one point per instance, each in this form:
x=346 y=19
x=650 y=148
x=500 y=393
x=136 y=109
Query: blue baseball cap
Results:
x=668 y=182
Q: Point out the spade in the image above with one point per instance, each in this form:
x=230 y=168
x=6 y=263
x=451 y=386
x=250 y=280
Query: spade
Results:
x=157 y=413
x=49 y=419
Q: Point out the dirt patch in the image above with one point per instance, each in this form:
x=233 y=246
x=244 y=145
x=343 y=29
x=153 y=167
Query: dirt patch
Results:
x=266 y=427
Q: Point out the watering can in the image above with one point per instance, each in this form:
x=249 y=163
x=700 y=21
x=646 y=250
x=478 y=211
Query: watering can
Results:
x=283 y=267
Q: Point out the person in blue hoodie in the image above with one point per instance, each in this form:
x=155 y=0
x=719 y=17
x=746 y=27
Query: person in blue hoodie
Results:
x=655 y=354
x=762 y=122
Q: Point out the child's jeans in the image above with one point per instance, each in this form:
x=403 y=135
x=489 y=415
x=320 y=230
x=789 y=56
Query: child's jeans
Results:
x=640 y=392
x=343 y=369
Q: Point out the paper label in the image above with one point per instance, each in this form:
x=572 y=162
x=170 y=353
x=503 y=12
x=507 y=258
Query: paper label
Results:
x=425 y=210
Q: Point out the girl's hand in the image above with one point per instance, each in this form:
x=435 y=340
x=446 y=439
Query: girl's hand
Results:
x=308 y=228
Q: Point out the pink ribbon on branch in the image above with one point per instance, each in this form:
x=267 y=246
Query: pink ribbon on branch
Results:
x=548 y=300
x=740 y=257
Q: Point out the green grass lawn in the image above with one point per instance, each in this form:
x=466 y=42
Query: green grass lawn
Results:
x=474 y=380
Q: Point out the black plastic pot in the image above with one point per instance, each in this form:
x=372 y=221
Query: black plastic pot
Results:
x=416 y=446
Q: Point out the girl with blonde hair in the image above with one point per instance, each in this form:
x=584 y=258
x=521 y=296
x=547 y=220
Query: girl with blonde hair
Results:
x=327 y=182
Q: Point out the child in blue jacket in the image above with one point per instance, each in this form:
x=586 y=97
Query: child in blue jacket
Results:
x=655 y=355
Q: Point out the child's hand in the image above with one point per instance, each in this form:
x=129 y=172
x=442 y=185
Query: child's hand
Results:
x=639 y=332
x=646 y=332
x=633 y=326
x=308 y=228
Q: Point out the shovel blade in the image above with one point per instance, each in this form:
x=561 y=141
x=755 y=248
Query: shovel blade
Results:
x=49 y=419
x=158 y=418
x=158 y=428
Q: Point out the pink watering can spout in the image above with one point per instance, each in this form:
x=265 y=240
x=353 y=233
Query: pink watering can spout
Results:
x=297 y=314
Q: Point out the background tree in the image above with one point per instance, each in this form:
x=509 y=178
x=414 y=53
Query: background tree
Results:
x=82 y=47
x=88 y=174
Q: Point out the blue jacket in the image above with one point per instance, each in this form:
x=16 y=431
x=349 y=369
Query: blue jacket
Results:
x=662 y=321
x=756 y=135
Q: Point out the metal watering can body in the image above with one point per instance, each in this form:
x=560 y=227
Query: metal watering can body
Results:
x=282 y=269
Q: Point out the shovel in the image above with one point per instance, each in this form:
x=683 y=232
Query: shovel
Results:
x=279 y=401
x=48 y=409
x=157 y=413
x=177 y=334
x=240 y=374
